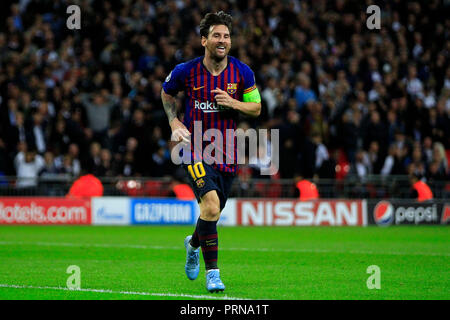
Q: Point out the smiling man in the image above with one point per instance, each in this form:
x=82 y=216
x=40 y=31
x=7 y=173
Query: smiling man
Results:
x=217 y=87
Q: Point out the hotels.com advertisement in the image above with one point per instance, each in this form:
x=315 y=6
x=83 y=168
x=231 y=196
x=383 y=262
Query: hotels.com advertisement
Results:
x=30 y=210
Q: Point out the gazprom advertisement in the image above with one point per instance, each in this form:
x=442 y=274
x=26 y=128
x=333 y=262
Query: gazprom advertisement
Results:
x=163 y=211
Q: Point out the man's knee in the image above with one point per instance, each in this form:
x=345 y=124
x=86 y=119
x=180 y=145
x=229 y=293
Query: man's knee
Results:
x=210 y=207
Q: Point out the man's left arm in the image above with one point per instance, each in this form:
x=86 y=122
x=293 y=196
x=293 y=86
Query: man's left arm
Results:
x=251 y=105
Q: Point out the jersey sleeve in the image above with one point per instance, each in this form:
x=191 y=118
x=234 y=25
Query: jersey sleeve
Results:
x=175 y=80
x=249 y=78
x=251 y=93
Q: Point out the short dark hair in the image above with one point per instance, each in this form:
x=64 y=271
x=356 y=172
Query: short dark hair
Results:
x=214 y=19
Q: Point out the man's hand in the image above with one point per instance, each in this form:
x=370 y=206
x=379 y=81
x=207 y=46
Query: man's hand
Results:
x=223 y=99
x=179 y=132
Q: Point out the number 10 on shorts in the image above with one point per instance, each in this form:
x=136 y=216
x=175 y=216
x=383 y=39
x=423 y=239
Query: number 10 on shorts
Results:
x=197 y=171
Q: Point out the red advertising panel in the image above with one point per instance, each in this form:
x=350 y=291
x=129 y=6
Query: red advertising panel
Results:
x=301 y=213
x=34 y=210
x=445 y=217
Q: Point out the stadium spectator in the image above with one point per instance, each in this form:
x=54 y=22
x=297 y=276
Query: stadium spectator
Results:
x=16 y=133
x=375 y=131
x=361 y=167
x=389 y=161
x=65 y=166
x=161 y=163
x=420 y=189
x=437 y=180
x=321 y=155
x=74 y=153
x=49 y=169
x=307 y=189
x=270 y=96
x=99 y=108
x=290 y=142
x=374 y=159
x=126 y=165
x=440 y=158
x=349 y=133
x=261 y=160
x=303 y=91
x=245 y=183
x=59 y=138
x=106 y=167
x=3 y=158
x=86 y=185
x=37 y=137
x=393 y=125
x=28 y=164
x=400 y=155
x=182 y=190
x=417 y=166
x=427 y=149
x=414 y=86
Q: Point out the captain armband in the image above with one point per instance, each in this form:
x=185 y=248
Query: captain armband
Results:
x=252 y=95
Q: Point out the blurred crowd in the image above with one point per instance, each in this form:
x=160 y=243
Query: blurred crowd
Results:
x=89 y=99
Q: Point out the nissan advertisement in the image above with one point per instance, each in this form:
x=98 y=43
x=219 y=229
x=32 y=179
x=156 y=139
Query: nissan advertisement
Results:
x=274 y=212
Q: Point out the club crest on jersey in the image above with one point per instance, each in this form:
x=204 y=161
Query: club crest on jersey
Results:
x=200 y=183
x=231 y=88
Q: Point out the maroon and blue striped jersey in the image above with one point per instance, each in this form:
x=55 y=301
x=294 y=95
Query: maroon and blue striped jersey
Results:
x=196 y=81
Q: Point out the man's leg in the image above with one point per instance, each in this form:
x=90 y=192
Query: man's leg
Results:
x=207 y=228
x=206 y=233
x=195 y=241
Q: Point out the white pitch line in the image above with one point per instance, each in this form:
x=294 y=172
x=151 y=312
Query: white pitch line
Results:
x=177 y=295
x=148 y=247
x=96 y=245
x=341 y=251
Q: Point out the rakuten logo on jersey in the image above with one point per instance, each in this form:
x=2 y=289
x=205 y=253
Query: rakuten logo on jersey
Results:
x=44 y=211
x=300 y=213
x=208 y=106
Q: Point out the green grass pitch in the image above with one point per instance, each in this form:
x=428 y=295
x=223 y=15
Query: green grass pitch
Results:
x=282 y=263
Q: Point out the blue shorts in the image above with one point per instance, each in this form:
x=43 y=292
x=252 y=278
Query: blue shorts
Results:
x=204 y=178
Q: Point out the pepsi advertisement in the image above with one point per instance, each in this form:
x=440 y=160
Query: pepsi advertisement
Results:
x=163 y=211
x=400 y=212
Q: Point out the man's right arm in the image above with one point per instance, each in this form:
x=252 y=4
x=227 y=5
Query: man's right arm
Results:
x=170 y=106
x=179 y=131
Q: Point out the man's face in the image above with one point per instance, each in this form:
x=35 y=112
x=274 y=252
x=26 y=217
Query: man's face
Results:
x=218 y=43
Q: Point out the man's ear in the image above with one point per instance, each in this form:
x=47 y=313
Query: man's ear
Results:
x=204 y=41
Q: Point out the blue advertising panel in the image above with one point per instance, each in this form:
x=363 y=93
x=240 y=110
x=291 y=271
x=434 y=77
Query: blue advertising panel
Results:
x=162 y=211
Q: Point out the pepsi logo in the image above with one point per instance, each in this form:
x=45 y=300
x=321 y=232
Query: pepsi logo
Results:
x=383 y=213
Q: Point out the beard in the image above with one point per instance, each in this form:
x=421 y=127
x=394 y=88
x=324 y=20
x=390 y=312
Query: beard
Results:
x=218 y=57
